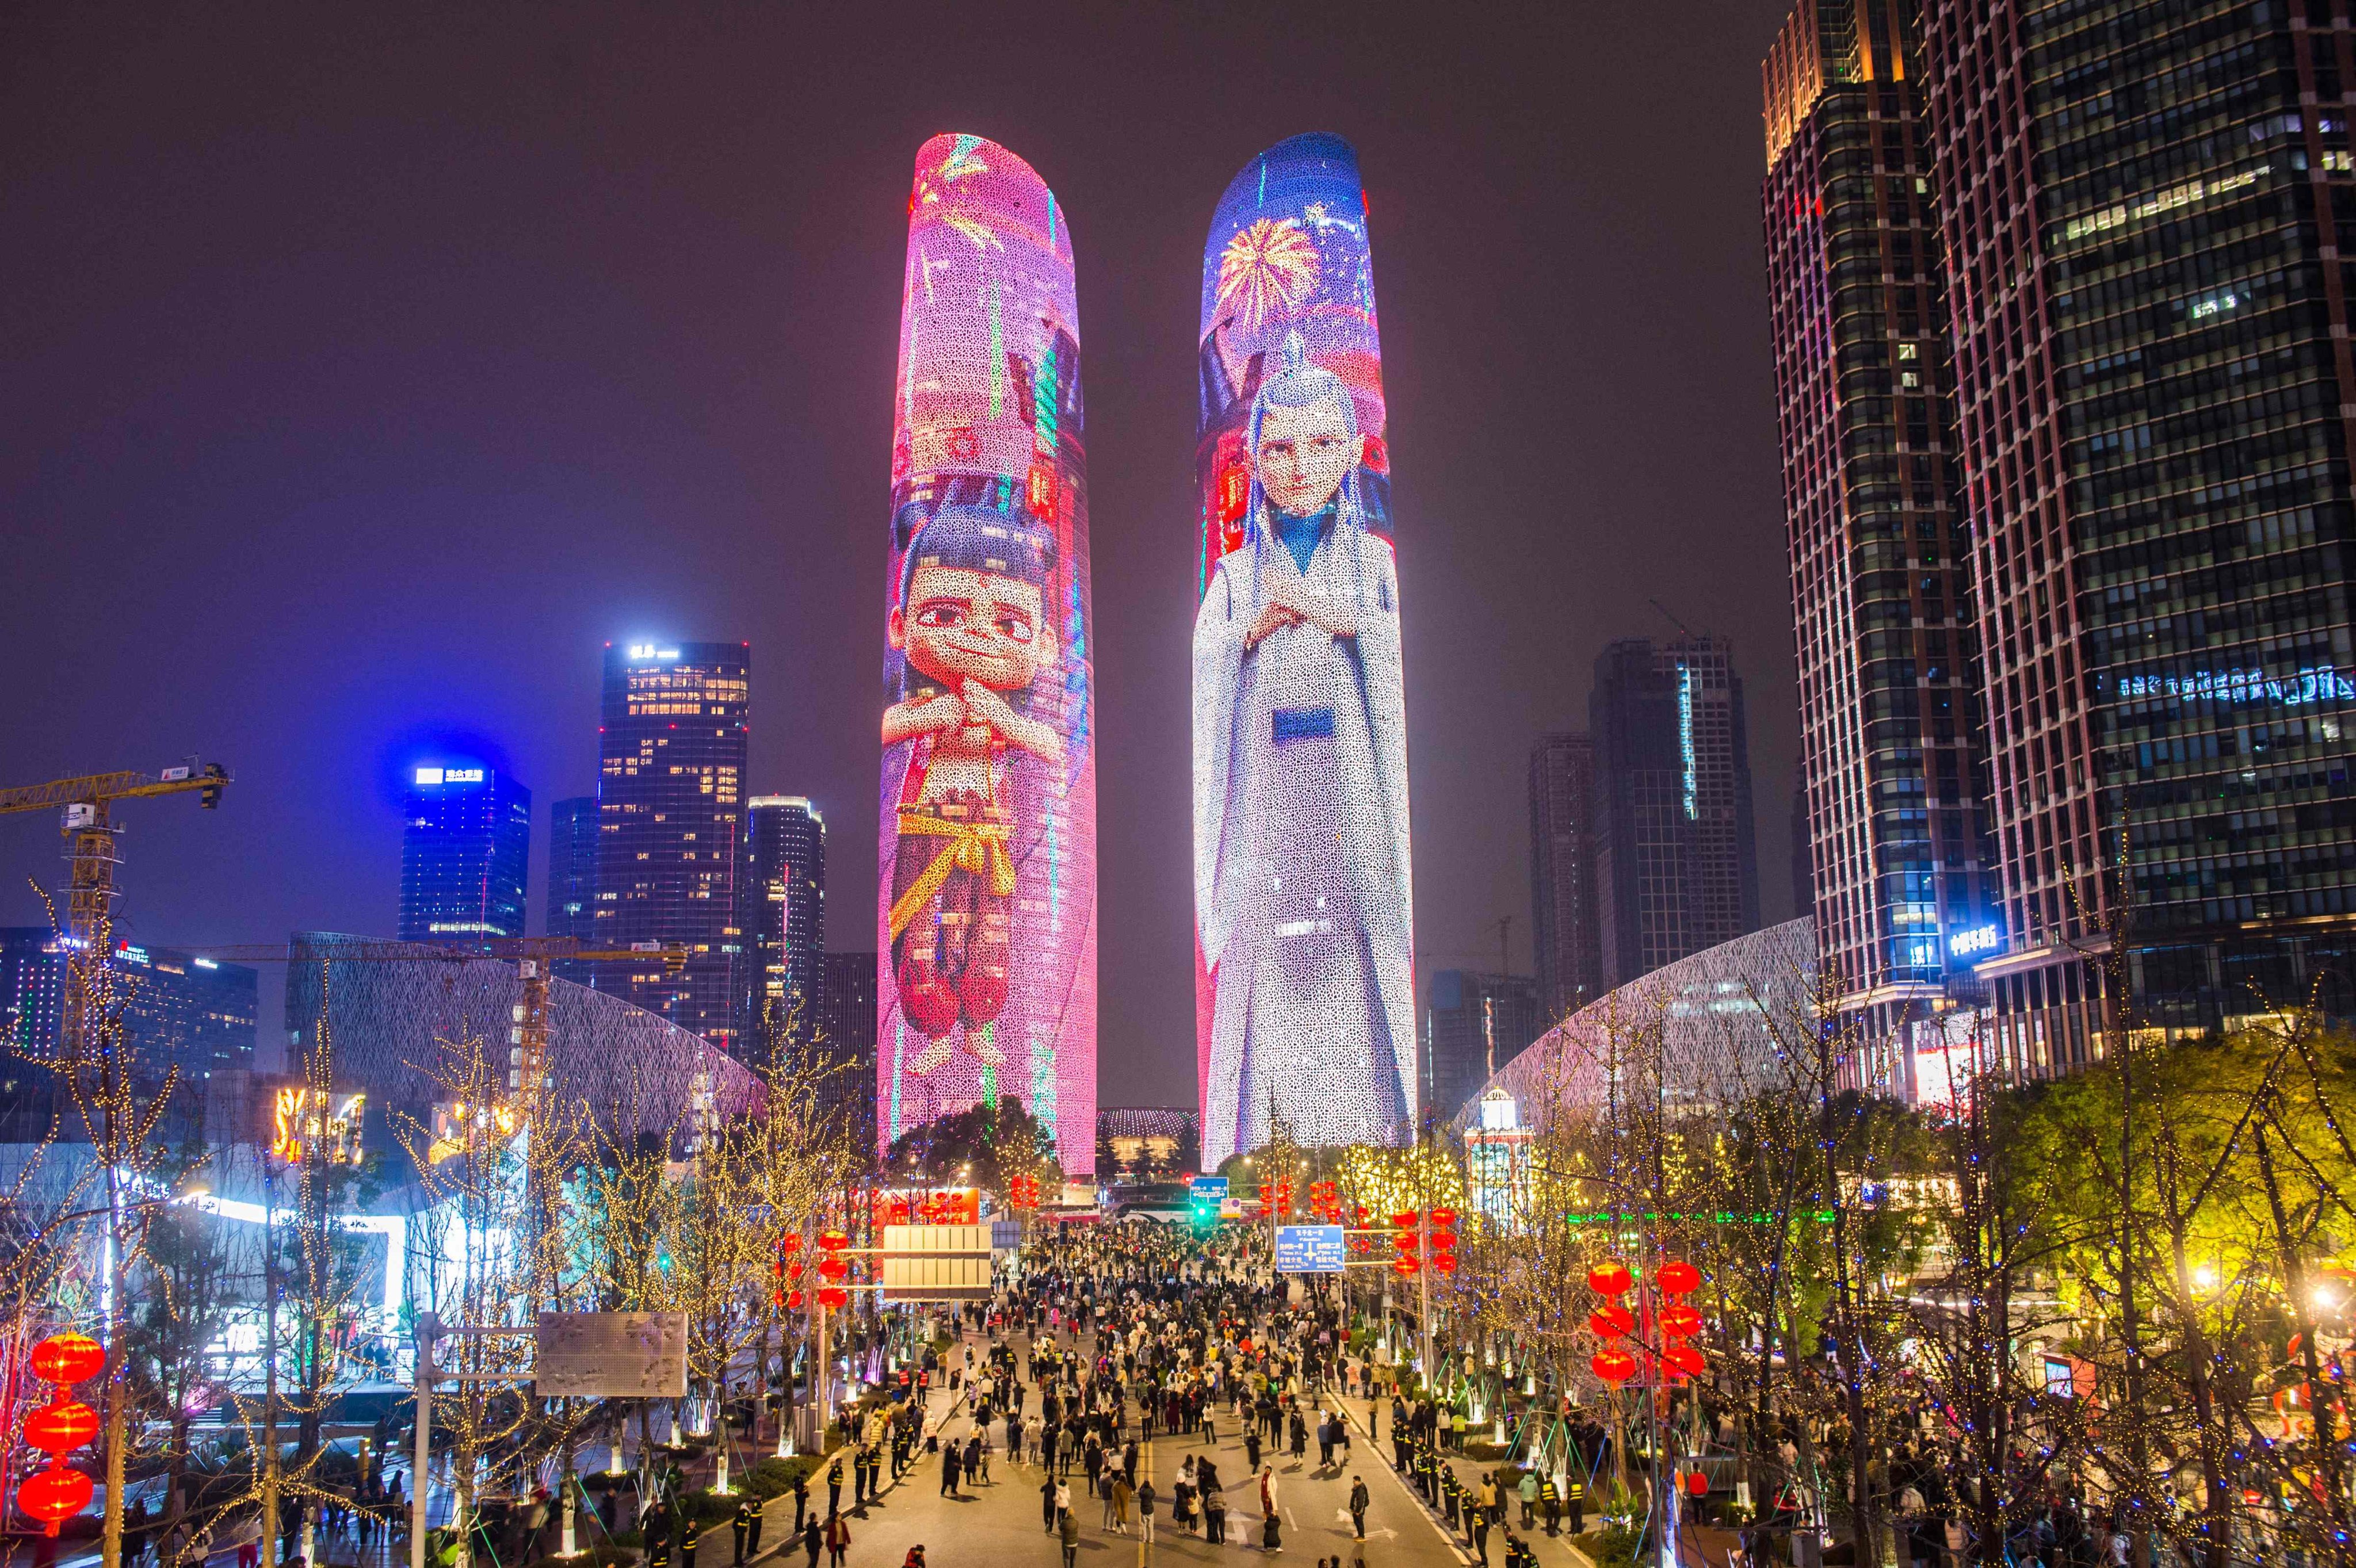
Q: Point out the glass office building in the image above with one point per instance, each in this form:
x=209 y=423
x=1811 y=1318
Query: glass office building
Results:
x=673 y=723
x=465 y=852
x=572 y=868
x=2141 y=208
x=1676 y=860
x=783 y=895
x=1892 y=760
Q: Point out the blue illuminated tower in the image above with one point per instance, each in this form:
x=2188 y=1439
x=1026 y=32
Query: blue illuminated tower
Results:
x=465 y=852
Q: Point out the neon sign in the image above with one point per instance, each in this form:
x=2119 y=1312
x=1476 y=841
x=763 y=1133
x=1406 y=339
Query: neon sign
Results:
x=1978 y=939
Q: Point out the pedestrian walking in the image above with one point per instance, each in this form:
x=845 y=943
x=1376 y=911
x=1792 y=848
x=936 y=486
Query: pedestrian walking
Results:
x=949 y=1459
x=838 y=1541
x=1068 y=1533
x=1528 y=1492
x=811 y=1540
x=1145 y=1502
x=1574 y=1496
x=1358 y=1502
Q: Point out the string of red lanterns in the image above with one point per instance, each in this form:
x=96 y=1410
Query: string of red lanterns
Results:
x=55 y=1495
x=1674 y=1323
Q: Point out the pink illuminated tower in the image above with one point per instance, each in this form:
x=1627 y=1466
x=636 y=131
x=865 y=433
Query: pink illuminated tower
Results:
x=986 y=918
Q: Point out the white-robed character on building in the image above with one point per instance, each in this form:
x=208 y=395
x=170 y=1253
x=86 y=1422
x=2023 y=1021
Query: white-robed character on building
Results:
x=1301 y=815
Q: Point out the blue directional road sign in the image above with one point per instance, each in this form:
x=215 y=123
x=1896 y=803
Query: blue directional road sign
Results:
x=1211 y=1190
x=1310 y=1249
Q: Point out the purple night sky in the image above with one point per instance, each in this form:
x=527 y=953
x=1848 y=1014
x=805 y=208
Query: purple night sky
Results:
x=368 y=367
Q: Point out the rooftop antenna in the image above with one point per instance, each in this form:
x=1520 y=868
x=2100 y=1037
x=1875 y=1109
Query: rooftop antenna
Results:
x=1664 y=609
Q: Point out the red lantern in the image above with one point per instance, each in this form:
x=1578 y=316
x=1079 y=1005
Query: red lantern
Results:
x=54 y=1496
x=1614 y=1367
x=1697 y=1483
x=1444 y=1262
x=832 y=1269
x=68 y=1357
x=832 y=1295
x=792 y=1300
x=1610 y=1320
x=61 y=1425
x=1683 y=1360
x=1679 y=1278
x=1679 y=1321
x=1608 y=1278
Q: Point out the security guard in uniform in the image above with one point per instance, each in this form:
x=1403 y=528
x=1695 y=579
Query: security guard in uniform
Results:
x=1551 y=1500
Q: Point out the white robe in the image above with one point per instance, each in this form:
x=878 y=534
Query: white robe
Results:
x=1300 y=856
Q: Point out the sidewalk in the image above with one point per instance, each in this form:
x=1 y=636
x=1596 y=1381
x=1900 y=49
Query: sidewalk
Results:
x=1550 y=1549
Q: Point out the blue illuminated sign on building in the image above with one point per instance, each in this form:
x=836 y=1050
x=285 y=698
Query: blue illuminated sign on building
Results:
x=2318 y=683
x=1978 y=939
x=449 y=775
x=1310 y=1249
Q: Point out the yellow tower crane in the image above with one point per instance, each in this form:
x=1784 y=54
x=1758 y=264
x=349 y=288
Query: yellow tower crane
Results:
x=88 y=823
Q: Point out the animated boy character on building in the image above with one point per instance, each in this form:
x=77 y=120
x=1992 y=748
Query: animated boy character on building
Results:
x=971 y=626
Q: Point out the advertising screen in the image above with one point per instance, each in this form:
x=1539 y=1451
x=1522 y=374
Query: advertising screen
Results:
x=1304 y=939
x=986 y=907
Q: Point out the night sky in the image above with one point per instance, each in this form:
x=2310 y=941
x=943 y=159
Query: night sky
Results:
x=369 y=366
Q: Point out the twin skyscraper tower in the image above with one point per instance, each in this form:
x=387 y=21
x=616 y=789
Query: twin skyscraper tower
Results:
x=987 y=887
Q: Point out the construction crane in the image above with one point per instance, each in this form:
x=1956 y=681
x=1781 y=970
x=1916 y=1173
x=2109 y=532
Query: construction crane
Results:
x=87 y=824
x=532 y=955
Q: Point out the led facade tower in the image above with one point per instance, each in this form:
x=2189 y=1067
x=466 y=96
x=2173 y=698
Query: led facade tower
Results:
x=1304 y=938
x=986 y=917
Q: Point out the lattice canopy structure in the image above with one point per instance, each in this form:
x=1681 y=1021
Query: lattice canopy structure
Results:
x=1710 y=1017
x=635 y=1072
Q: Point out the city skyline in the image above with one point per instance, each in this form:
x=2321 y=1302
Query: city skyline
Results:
x=496 y=474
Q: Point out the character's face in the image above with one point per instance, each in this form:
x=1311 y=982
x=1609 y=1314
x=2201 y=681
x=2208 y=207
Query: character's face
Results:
x=959 y=625
x=1305 y=454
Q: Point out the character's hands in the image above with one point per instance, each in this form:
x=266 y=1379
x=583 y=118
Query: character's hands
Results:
x=984 y=705
x=946 y=712
x=1273 y=617
x=935 y=714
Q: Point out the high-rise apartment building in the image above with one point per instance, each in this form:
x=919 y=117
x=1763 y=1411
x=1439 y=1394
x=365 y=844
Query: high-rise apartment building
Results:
x=672 y=731
x=465 y=852
x=179 y=1010
x=1473 y=1025
x=1888 y=831
x=782 y=900
x=2145 y=208
x=846 y=1013
x=572 y=868
x=1677 y=862
x=1562 y=874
